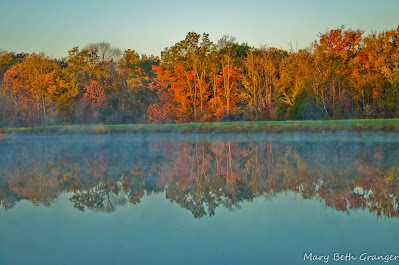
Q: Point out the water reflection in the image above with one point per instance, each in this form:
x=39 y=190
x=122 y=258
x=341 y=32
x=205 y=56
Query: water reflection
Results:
x=105 y=172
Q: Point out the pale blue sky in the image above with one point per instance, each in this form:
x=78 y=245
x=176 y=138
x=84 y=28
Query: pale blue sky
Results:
x=54 y=26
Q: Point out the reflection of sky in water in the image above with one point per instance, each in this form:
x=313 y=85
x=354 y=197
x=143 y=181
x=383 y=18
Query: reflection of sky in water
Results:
x=344 y=172
x=276 y=231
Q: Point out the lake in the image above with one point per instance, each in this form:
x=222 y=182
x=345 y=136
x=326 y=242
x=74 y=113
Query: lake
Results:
x=284 y=198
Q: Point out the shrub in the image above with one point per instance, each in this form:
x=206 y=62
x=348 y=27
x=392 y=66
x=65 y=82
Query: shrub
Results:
x=281 y=112
x=305 y=108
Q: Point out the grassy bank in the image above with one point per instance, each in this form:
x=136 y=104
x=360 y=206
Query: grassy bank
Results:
x=217 y=127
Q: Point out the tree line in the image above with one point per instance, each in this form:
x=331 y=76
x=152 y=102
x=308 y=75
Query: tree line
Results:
x=344 y=74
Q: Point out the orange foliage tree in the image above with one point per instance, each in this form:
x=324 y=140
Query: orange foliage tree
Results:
x=228 y=82
x=94 y=94
x=33 y=85
x=333 y=57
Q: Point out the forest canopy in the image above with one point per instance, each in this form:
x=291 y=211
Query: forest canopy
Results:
x=344 y=74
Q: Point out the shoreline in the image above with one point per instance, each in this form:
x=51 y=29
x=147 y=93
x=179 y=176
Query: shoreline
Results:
x=364 y=125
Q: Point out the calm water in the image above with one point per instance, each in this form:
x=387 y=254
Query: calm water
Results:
x=202 y=199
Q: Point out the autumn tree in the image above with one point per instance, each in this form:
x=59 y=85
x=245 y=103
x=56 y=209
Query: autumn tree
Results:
x=7 y=60
x=133 y=95
x=287 y=85
x=32 y=85
x=91 y=71
x=187 y=62
x=334 y=53
x=260 y=73
x=228 y=82
x=379 y=74
x=229 y=79
x=297 y=87
x=164 y=110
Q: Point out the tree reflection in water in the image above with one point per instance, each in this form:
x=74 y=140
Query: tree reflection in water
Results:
x=201 y=176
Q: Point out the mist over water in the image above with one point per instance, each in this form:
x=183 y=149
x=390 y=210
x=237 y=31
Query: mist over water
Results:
x=239 y=198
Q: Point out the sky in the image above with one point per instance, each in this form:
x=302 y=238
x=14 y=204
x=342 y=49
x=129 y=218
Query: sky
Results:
x=149 y=26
